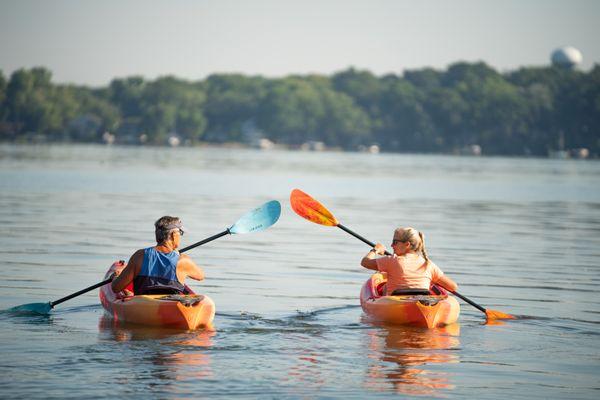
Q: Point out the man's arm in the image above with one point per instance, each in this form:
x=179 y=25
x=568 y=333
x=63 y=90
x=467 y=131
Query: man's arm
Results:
x=189 y=269
x=129 y=272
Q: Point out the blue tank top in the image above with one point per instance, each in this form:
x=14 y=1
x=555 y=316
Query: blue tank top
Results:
x=158 y=274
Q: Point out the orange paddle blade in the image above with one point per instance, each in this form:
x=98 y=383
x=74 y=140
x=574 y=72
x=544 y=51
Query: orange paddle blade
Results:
x=310 y=209
x=493 y=314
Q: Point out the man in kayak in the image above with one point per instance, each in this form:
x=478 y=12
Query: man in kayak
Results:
x=409 y=269
x=159 y=269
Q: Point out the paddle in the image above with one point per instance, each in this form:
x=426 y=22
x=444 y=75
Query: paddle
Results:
x=309 y=208
x=253 y=221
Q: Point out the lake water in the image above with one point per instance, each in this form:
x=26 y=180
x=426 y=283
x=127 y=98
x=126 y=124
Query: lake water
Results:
x=519 y=235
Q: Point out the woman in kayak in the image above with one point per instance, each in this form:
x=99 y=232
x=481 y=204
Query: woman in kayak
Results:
x=159 y=269
x=409 y=270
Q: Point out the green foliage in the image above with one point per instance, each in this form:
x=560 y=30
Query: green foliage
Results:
x=297 y=110
x=527 y=111
x=405 y=124
x=96 y=115
x=232 y=101
x=159 y=109
x=3 y=84
x=172 y=107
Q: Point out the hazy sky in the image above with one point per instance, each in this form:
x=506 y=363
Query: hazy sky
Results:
x=92 y=42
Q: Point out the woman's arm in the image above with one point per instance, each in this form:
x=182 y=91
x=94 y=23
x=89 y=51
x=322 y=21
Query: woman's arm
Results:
x=369 y=261
x=447 y=283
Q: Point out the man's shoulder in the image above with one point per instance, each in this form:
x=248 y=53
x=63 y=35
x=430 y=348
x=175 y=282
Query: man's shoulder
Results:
x=184 y=259
x=138 y=255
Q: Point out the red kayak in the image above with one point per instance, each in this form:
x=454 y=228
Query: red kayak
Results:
x=429 y=311
x=190 y=311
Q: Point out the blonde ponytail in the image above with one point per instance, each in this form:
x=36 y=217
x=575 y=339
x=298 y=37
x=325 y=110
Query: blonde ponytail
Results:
x=422 y=247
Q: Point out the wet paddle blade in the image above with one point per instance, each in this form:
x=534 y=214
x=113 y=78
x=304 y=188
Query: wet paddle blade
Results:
x=494 y=314
x=31 y=308
x=310 y=209
x=258 y=219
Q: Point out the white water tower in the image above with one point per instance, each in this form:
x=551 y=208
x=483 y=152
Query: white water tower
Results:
x=566 y=57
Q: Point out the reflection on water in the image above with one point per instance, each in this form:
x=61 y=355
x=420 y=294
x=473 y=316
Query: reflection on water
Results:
x=400 y=356
x=176 y=356
x=310 y=362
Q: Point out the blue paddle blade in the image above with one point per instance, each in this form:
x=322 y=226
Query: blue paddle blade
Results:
x=258 y=219
x=31 y=308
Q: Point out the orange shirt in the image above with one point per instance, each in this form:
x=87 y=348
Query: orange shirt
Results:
x=408 y=271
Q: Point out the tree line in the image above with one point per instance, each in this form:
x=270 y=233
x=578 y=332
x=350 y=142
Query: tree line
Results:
x=530 y=111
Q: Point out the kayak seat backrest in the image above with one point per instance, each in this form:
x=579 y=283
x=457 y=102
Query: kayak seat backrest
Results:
x=173 y=291
x=162 y=291
x=380 y=288
x=409 y=292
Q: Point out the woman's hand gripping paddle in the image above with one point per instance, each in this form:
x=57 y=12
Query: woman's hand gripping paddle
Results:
x=309 y=208
x=254 y=221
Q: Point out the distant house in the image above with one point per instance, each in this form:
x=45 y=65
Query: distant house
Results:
x=313 y=145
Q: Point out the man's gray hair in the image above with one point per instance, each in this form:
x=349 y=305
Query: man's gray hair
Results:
x=163 y=226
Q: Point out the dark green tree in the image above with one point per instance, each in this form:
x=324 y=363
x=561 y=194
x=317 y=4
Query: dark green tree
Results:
x=233 y=101
x=172 y=106
x=405 y=125
x=31 y=105
x=3 y=84
x=297 y=110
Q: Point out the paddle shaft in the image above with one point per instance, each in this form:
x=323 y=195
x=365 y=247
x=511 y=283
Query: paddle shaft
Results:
x=109 y=280
x=210 y=239
x=69 y=297
x=356 y=235
x=471 y=302
x=387 y=253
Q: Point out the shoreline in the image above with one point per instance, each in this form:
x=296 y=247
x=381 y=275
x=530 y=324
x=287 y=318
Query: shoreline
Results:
x=553 y=155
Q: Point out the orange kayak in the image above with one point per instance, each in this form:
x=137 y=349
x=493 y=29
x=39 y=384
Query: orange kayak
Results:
x=427 y=311
x=189 y=311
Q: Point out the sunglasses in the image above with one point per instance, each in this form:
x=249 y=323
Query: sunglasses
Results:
x=397 y=241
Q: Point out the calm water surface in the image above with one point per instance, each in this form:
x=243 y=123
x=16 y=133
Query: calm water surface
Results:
x=518 y=235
